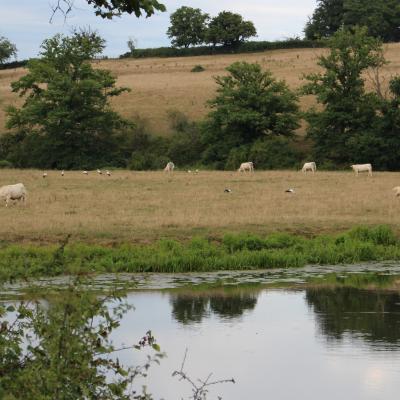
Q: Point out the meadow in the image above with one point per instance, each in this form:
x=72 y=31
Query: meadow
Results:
x=142 y=207
x=163 y=84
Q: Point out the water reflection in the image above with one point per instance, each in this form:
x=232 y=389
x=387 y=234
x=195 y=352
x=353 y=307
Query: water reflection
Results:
x=371 y=315
x=192 y=308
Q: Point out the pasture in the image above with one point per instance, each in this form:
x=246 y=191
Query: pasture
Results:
x=141 y=207
x=162 y=84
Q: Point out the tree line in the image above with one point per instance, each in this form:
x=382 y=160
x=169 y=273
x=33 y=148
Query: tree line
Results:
x=66 y=121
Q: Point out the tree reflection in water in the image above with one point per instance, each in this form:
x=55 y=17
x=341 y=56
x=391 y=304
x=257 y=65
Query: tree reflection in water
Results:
x=372 y=315
x=193 y=307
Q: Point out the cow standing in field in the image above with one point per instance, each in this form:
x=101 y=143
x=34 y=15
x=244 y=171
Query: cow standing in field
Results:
x=362 y=168
x=169 y=167
x=309 y=166
x=246 y=166
x=13 y=192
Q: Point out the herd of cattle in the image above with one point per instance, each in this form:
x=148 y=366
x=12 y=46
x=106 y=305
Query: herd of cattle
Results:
x=19 y=192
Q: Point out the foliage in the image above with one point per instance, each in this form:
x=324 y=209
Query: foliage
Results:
x=143 y=150
x=343 y=131
x=242 y=47
x=114 y=8
x=229 y=29
x=232 y=252
x=187 y=27
x=198 y=68
x=250 y=104
x=185 y=146
x=60 y=347
x=5 y=164
x=380 y=17
x=326 y=19
x=7 y=49
x=66 y=121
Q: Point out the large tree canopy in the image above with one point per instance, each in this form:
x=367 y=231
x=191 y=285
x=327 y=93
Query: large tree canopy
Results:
x=229 y=29
x=344 y=131
x=66 y=120
x=188 y=27
x=250 y=105
x=380 y=17
x=111 y=8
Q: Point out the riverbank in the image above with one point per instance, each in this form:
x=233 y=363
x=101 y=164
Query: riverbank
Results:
x=232 y=252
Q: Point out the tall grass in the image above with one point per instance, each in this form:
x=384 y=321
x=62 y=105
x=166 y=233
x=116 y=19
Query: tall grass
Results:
x=233 y=252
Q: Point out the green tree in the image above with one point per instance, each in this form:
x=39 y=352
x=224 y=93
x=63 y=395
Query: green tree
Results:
x=229 y=29
x=114 y=8
x=343 y=130
x=66 y=119
x=250 y=104
x=380 y=17
x=188 y=27
x=326 y=19
x=7 y=49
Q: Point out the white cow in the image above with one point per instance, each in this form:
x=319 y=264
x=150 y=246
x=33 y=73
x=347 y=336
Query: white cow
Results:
x=362 y=168
x=13 y=192
x=396 y=191
x=309 y=166
x=169 y=167
x=246 y=166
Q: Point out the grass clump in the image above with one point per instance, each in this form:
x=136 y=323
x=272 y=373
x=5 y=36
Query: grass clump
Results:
x=233 y=252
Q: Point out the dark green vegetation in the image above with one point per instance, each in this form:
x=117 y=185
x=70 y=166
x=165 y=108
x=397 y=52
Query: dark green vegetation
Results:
x=60 y=347
x=250 y=110
x=353 y=125
x=7 y=50
x=70 y=125
x=190 y=27
x=66 y=120
x=115 y=8
x=232 y=252
x=380 y=17
x=242 y=47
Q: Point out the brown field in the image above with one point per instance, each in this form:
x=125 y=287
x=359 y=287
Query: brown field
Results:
x=162 y=84
x=144 y=206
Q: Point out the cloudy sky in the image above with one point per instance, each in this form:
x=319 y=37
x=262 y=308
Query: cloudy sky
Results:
x=26 y=22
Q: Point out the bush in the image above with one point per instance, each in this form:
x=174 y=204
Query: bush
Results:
x=246 y=47
x=274 y=153
x=198 y=68
x=5 y=164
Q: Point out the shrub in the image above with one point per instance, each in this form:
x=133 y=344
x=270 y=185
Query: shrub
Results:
x=198 y=68
x=5 y=164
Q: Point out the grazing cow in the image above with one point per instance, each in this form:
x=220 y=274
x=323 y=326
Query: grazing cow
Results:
x=396 y=191
x=108 y=173
x=246 y=166
x=169 y=167
x=13 y=192
x=309 y=166
x=85 y=173
x=362 y=168
x=99 y=172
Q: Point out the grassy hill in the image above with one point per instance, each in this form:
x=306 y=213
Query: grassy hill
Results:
x=162 y=84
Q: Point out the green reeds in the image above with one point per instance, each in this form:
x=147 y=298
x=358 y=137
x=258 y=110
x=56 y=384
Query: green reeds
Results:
x=233 y=252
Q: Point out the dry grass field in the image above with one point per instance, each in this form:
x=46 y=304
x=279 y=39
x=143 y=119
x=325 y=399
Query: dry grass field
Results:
x=162 y=84
x=145 y=206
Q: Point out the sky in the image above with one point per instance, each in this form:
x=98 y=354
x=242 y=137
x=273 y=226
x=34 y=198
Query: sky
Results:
x=26 y=22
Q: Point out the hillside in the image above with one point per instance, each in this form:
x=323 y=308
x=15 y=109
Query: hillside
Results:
x=162 y=84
